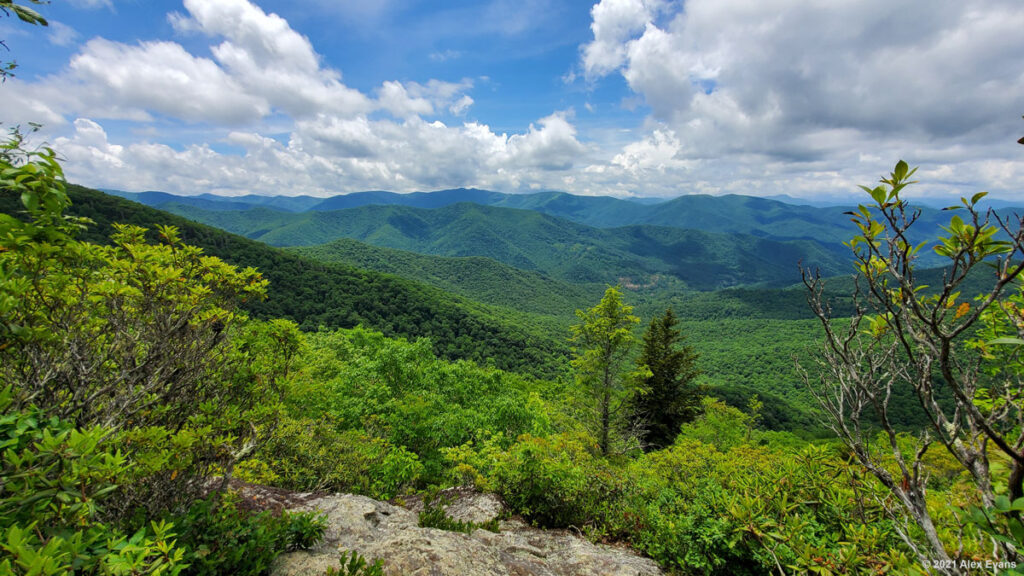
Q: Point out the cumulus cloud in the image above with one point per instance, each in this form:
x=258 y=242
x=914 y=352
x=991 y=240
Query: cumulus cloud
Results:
x=260 y=73
x=785 y=85
x=61 y=34
x=415 y=99
x=330 y=155
x=269 y=59
x=159 y=77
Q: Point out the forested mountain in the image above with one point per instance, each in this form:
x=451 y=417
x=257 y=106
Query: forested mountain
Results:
x=480 y=308
x=315 y=294
x=727 y=214
x=528 y=240
x=475 y=277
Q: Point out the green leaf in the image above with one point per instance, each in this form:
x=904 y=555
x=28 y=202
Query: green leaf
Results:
x=901 y=170
x=978 y=196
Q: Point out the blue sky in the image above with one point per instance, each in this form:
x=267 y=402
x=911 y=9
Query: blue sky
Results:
x=619 y=97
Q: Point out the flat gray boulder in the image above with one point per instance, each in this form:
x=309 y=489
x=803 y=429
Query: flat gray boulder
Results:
x=378 y=530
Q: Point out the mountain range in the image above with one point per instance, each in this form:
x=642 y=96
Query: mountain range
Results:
x=499 y=284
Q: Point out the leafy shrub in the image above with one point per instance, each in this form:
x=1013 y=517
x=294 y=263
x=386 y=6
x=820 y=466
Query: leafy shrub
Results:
x=434 y=516
x=750 y=510
x=305 y=530
x=57 y=480
x=309 y=455
x=353 y=564
x=223 y=537
x=140 y=337
x=557 y=481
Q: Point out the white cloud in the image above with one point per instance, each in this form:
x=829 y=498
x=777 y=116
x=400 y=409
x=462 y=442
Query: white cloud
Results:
x=260 y=73
x=461 y=106
x=269 y=59
x=445 y=55
x=394 y=98
x=553 y=146
x=112 y=78
x=61 y=34
x=92 y=4
x=614 y=24
x=329 y=155
x=786 y=87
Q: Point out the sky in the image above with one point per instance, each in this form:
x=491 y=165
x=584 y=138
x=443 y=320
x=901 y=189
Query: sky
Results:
x=648 y=98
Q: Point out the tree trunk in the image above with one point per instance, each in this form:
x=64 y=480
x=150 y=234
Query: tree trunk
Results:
x=605 y=420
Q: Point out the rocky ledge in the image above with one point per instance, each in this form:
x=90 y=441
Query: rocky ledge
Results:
x=379 y=530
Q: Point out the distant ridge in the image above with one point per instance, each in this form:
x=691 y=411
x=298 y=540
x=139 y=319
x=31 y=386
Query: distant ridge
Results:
x=531 y=240
x=601 y=211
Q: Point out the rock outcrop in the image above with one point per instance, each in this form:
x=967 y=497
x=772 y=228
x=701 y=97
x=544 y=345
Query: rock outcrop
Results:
x=379 y=530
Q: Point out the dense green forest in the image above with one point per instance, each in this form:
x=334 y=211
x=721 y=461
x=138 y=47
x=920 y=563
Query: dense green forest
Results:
x=314 y=294
x=475 y=277
x=534 y=241
x=728 y=214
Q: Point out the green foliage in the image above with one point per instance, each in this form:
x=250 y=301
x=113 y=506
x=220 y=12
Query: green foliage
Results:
x=305 y=530
x=311 y=455
x=143 y=338
x=57 y=480
x=555 y=481
x=905 y=337
x=433 y=515
x=477 y=278
x=127 y=368
x=223 y=537
x=374 y=416
x=314 y=294
x=720 y=425
x=353 y=564
x=751 y=511
x=701 y=509
x=670 y=397
x=604 y=342
x=25 y=14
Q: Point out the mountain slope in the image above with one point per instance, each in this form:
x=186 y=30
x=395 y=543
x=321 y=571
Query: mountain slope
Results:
x=317 y=294
x=529 y=240
x=477 y=278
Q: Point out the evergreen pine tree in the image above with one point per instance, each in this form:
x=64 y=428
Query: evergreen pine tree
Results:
x=603 y=343
x=670 y=397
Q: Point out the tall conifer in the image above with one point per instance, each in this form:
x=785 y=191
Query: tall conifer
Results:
x=671 y=396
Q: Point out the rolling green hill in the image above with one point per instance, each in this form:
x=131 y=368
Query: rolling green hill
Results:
x=564 y=250
x=317 y=294
x=747 y=337
x=762 y=217
x=477 y=278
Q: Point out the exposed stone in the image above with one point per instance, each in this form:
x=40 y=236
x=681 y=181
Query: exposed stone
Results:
x=463 y=504
x=379 y=530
